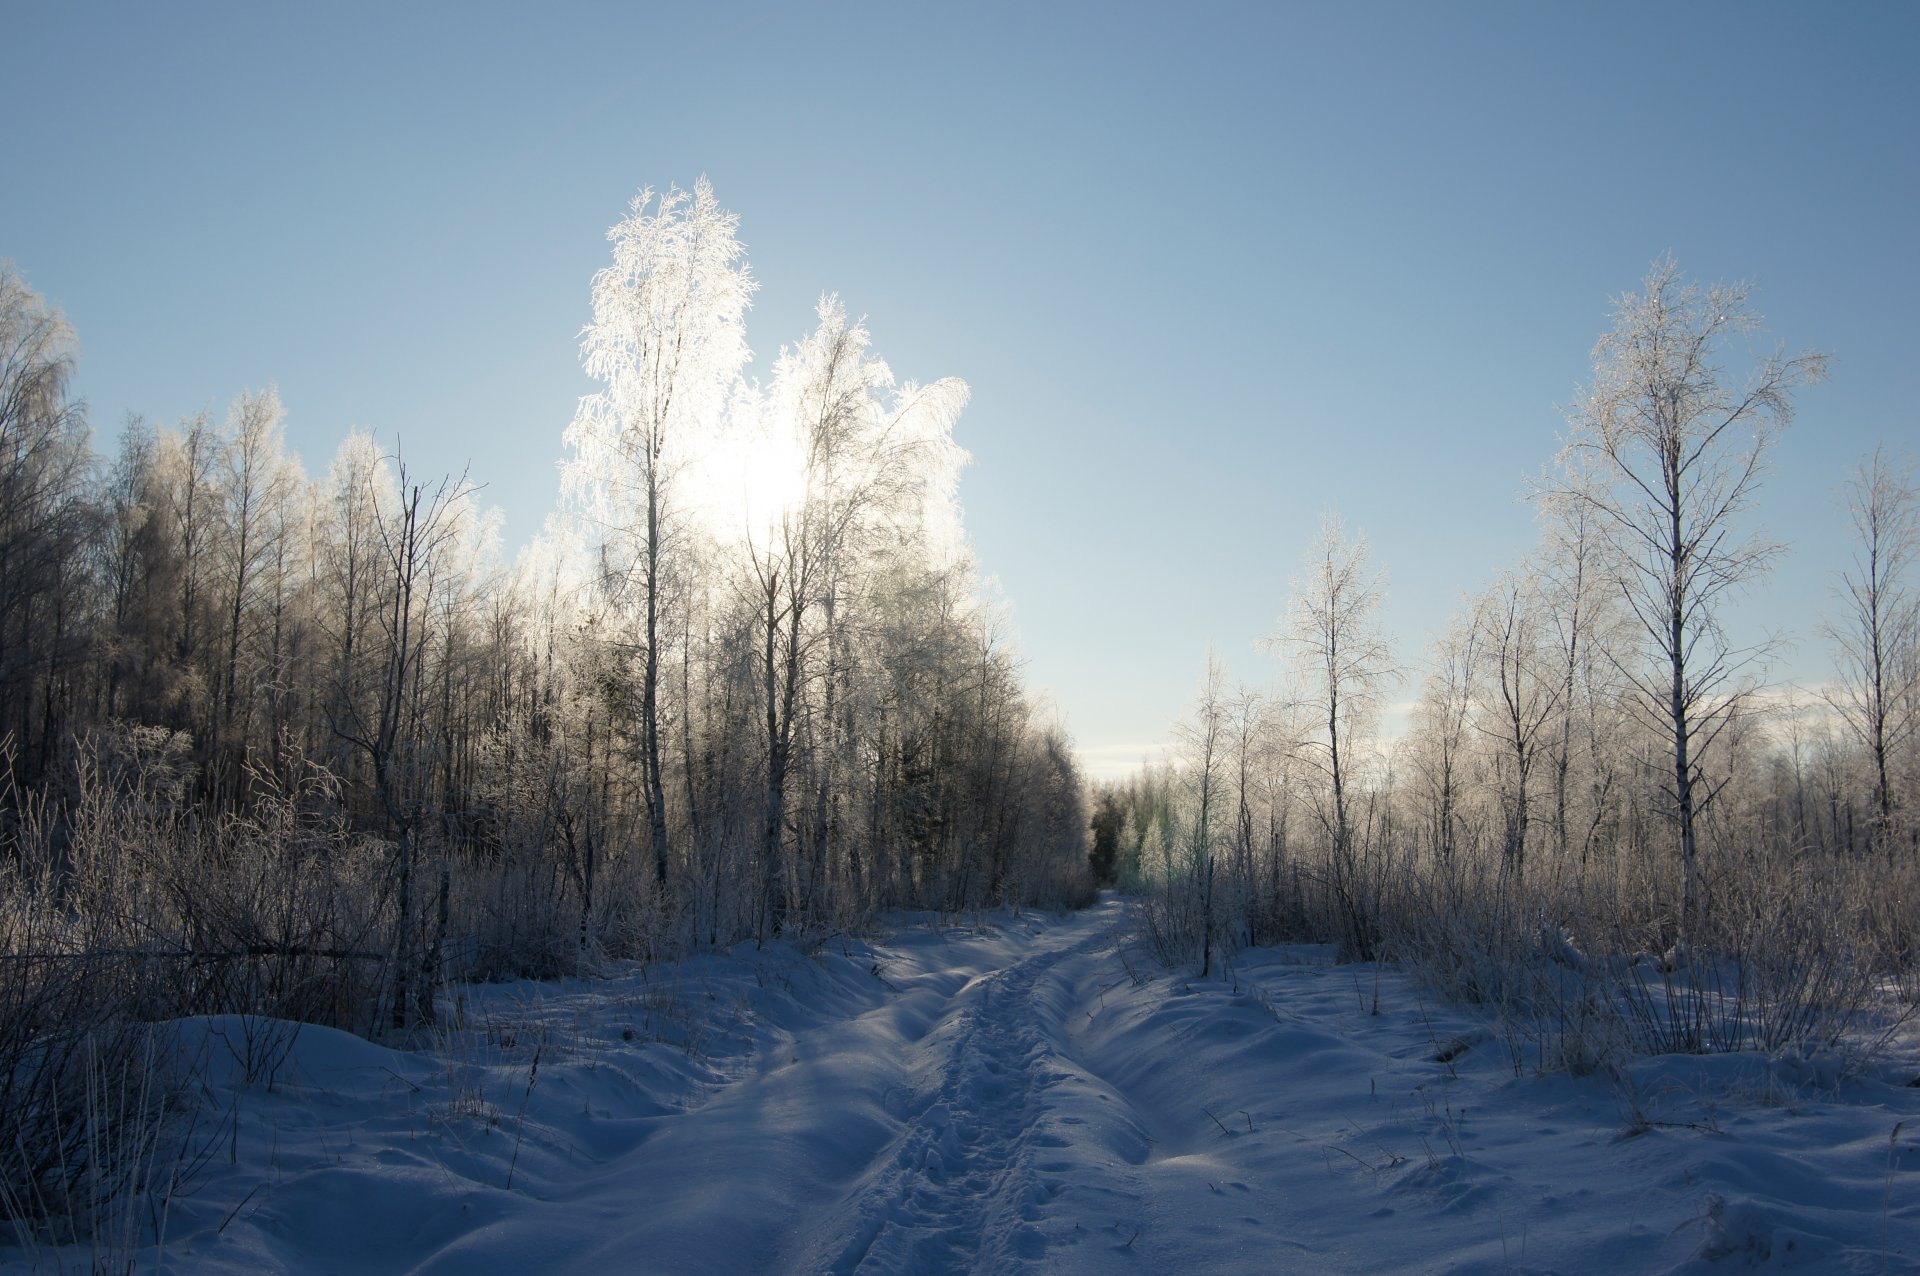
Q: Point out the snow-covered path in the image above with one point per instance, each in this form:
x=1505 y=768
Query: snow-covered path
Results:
x=908 y=1137
x=930 y=1132
x=1025 y=1096
x=967 y=1182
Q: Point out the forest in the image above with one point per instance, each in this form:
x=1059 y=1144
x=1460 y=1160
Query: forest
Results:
x=311 y=748
x=307 y=747
x=1601 y=819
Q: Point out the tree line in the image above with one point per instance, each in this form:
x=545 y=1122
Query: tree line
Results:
x=313 y=739
x=1593 y=762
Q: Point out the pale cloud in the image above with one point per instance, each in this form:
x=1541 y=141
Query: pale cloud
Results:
x=1117 y=761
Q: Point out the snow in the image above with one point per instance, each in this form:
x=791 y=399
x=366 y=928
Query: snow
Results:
x=1028 y=1093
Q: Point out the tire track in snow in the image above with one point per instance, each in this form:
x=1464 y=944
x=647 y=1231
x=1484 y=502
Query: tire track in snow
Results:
x=961 y=1191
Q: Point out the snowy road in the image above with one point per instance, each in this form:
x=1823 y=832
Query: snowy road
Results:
x=989 y=1141
x=1031 y=1095
x=938 y=1131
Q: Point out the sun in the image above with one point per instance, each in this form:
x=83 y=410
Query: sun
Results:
x=750 y=482
x=773 y=479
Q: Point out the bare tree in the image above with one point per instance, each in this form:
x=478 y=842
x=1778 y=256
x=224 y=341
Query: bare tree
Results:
x=1204 y=738
x=287 y=577
x=1441 y=719
x=1667 y=452
x=668 y=340
x=415 y=528
x=1249 y=742
x=346 y=573
x=192 y=455
x=1522 y=698
x=1333 y=629
x=1878 y=630
x=852 y=460
x=126 y=514
x=257 y=481
x=1345 y=664
x=45 y=520
x=1578 y=613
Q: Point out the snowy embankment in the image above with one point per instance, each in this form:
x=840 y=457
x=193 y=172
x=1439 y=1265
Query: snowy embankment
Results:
x=1029 y=1095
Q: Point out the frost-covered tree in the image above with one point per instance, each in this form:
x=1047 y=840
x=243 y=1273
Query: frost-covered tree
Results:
x=1344 y=662
x=346 y=573
x=1522 y=697
x=45 y=517
x=417 y=530
x=1251 y=755
x=1666 y=450
x=1204 y=738
x=818 y=699
x=848 y=462
x=1438 y=742
x=1582 y=619
x=1877 y=634
x=257 y=480
x=667 y=342
x=1333 y=630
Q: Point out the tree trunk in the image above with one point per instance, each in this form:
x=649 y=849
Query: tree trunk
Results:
x=650 y=685
x=1682 y=741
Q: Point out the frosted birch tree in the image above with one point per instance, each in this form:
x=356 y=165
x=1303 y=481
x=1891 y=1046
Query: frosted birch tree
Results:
x=1440 y=720
x=416 y=529
x=1345 y=663
x=257 y=479
x=1204 y=738
x=667 y=342
x=1667 y=449
x=1522 y=697
x=189 y=458
x=346 y=574
x=44 y=523
x=1877 y=634
x=836 y=469
x=1579 y=611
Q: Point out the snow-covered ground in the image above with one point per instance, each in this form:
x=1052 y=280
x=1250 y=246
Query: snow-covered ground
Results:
x=1024 y=1095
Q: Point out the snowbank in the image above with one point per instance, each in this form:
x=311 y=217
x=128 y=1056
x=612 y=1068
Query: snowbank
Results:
x=1024 y=1096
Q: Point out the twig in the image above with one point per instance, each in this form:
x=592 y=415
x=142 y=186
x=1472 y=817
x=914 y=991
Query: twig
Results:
x=236 y=1209
x=520 y=1122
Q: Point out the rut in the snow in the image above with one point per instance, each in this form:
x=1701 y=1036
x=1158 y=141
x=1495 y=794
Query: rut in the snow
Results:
x=960 y=1192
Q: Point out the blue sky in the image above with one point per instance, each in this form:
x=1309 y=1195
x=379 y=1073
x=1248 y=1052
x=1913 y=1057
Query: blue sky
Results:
x=1209 y=269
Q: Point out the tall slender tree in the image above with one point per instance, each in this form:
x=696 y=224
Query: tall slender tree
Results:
x=45 y=517
x=257 y=480
x=1877 y=634
x=1333 y=630
x=1345 y=663
x=667 y=341
x=1522 y=699
x=1667 y=449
